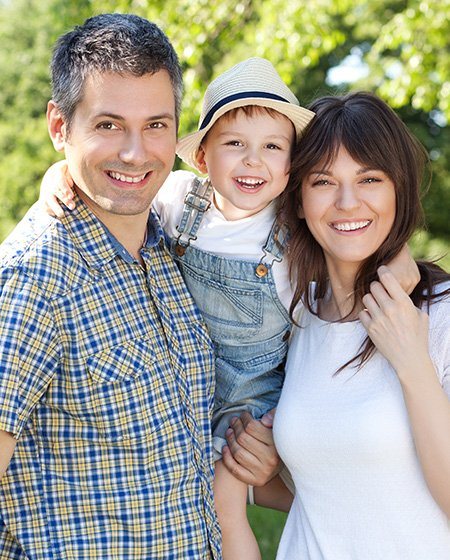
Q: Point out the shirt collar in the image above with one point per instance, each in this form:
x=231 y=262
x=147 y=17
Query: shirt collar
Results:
x=95 y=242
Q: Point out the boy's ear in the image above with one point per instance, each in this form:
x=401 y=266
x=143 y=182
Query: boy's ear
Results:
x=56 y=125
x=200 y=160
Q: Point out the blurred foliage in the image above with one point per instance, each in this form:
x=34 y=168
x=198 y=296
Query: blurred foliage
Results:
x=401 y=45
x=267 y=524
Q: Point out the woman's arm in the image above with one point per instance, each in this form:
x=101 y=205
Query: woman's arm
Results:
x=252 y=458
x=400 y=332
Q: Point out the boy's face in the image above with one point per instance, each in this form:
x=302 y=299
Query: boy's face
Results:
x=247 y=159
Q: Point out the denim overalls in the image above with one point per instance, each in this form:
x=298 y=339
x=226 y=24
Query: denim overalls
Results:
x=248 y=324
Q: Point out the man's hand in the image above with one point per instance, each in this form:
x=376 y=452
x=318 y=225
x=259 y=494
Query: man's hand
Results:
x=251 y=455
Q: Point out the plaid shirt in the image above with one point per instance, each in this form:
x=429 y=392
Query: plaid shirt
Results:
x=106 y=380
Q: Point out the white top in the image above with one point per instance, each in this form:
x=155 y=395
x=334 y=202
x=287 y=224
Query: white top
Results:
x=346 y=439
x=236 y=239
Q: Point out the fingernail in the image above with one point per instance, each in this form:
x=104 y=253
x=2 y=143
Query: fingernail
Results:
x=233 y=421
x=229 y=432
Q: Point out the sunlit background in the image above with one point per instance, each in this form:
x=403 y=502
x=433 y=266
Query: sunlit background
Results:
x=398 y=49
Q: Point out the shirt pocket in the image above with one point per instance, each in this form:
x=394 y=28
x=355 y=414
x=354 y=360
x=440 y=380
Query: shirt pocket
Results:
x=129 y=397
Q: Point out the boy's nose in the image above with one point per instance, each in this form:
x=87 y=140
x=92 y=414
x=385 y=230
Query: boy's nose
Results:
x=252 y=159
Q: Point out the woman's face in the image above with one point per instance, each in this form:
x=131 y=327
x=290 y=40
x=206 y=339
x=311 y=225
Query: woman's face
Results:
x=349 y=209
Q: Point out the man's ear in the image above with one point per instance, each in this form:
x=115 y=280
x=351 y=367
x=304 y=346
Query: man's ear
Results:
x=57 y=127
x=200 y=160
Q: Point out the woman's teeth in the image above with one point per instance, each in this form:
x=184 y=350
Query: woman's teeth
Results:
x=351 y=226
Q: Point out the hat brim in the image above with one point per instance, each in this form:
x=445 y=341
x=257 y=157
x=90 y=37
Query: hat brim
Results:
x=188 y=146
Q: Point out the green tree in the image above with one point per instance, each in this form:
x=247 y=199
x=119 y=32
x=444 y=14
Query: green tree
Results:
x=402 y=43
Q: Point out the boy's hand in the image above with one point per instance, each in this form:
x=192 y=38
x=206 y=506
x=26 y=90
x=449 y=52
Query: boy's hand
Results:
x=405 y=270
x=251 y=455
x=57 y=188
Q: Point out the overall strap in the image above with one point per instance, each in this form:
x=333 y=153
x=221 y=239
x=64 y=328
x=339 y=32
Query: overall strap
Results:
x=273 y=249
x=196 y=203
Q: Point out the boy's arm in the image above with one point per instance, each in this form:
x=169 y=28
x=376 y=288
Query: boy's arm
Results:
x=56 y=189
x=274 y=495
x=7 y=446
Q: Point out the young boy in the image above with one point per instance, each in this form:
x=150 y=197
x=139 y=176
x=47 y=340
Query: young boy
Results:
x=224 y=235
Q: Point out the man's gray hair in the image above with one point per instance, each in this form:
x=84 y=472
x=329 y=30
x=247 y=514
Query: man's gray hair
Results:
x=122 y=43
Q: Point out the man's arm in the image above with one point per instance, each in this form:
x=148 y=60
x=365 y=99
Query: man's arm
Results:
x=7 y=446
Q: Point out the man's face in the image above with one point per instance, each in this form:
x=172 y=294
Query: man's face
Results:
x=121 y=143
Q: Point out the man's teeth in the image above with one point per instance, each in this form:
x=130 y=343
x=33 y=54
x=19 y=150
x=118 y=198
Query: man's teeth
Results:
x=126 y=178
x=351 y=226
x=249 y=183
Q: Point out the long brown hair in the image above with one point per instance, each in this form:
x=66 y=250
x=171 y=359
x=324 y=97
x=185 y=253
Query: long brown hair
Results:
x=374 y=136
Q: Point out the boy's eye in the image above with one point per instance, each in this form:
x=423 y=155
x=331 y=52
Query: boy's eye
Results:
x=273 y=147
x=233 y=143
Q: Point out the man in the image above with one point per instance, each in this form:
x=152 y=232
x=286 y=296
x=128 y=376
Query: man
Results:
x=106 y=376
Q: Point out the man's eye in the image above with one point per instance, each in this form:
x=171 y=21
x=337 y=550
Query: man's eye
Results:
x=157 y=125
x=107 y=126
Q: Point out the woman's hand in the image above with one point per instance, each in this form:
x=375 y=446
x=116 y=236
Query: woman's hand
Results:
x=405 y=270
x=400 y=332
x=397 y=328
x=57 y=188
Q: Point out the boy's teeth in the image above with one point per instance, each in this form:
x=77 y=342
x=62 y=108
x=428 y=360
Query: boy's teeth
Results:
x=126 y=178
x=350 y=226
x=248 y=182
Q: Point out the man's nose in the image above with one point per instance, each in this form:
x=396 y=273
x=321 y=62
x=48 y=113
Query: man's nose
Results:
x=133 y=150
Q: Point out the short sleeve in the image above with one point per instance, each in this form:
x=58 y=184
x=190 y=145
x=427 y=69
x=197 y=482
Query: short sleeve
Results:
x=168 y=202
x=28 y=349
x=439 y=339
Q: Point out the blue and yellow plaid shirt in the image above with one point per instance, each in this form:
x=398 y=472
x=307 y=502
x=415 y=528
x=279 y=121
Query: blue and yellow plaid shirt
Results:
x=106 y=381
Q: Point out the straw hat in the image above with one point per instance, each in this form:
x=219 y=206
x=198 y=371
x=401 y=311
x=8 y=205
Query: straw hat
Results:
x=251 y=82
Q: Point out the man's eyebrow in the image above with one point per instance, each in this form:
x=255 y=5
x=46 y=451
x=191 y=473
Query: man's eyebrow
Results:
x=114 y=116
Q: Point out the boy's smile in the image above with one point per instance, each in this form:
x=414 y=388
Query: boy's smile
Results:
x=247 y=159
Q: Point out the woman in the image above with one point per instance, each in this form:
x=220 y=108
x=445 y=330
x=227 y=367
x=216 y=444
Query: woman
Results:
x=363 y=422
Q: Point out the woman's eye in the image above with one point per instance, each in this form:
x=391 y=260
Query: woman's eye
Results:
x=371 y=180
x=320 y=182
